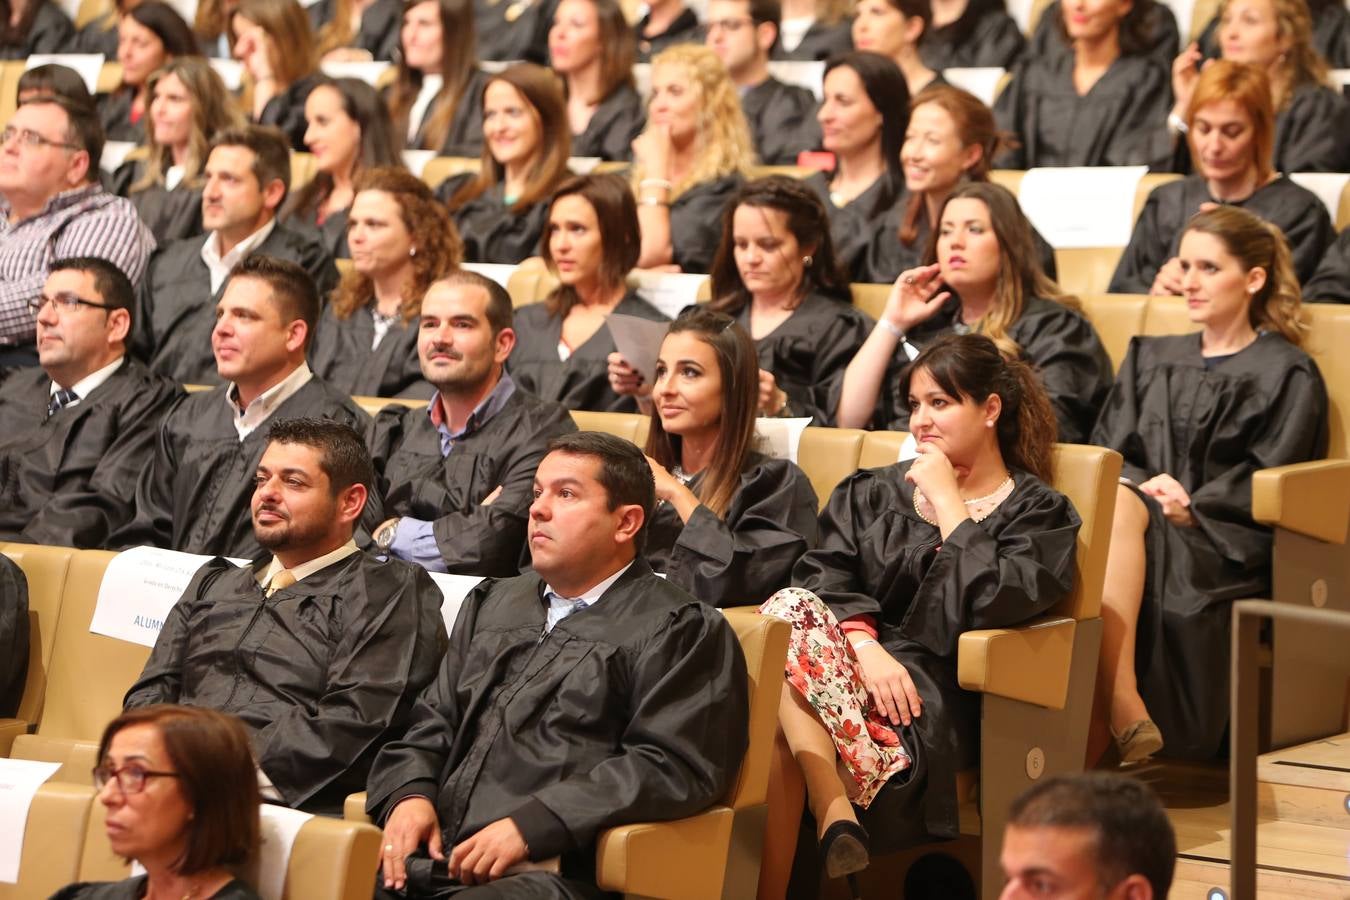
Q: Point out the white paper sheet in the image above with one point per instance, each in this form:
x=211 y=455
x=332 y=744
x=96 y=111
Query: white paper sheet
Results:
x=87 y=65
x=1081 y=206
x=454 y=588
x=280 y=825
x=638 y=341
x=642 y=80
x=498 y=272
x=139 y=588
x=70 y=7
x=114 y=154
x=1328 y=186
x=909 y=449
x=19 y=781
x=369 y=72
x=583 y=165
x=780 y=438
x=807 y=73
x=1020 y=10
x=982 y=81
x=416 y=160
x=231 y=72
x=669 y=292
x=1184 y=10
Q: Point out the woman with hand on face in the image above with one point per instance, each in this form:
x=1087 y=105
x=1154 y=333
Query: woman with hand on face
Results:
x=967 y=33
x=730 y=522
x=148 y=36
x=968 y=535
x=436 y=100
x=862 y=122
x=188 y=106
x=401 y=240
x=981 y=275
x=1230 y=128
x=180 y=791
x=273 y=40
x=563 y=346
x=689 y=159
x=1194 y=416
x=591 y=46
x=348 y=131
x=893 y=28
x=501 y=211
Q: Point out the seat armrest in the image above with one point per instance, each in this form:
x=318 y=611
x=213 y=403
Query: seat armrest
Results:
x=1309 y=498
x=1029 y=663
x=9 y=730
x=354 y=808
x=683 y=858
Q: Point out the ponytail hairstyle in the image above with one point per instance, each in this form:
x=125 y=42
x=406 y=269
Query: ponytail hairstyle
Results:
x=739 y=366
x=1257 y=244
x=970 y=367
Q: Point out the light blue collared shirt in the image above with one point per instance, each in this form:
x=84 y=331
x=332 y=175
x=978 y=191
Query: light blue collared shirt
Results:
x=560 y=607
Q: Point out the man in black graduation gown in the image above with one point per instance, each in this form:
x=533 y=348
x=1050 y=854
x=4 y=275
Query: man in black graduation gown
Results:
x=321 y=649
x=77 y=432
x=194 y=496
x=247 y=176
x=455 y=475
x=782 y=117
x=587 y=694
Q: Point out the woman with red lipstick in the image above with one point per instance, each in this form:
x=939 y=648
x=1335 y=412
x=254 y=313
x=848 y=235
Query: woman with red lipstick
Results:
x=1194 y=416
x=1231 y=128
x=981 y=275
x=348 y=131
x=968 y=535
x=148 y=36
x=893 y=28
x=563 y=345
x=501 y=211
x=591 y=45
x=436 y=100
x=181 y=793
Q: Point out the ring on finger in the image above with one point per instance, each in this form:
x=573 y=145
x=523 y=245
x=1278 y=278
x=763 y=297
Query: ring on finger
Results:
x=909 y=279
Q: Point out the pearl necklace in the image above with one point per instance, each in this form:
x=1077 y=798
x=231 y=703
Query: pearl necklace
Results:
x=994 y=498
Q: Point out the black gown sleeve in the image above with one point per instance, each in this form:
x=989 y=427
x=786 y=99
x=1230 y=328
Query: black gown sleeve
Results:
x=1073 y=366
x=696 y=223
x=1310 y=133
x=1117 y=423
x=840 y=570
x=152 y=523
x=161 y=680
x=14 y=632
x=1149 y=247
x=613 y=127
x=1331 y=282
x=286 y=111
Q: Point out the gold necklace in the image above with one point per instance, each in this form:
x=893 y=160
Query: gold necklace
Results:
x=998 y=495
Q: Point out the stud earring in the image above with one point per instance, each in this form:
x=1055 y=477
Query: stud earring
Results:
x=412 y=251
x=807 y=260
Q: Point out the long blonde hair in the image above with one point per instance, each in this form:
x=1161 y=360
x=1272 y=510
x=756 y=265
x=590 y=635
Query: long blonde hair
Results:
x=1301 y=64
x=722 y=144
x=213 y=111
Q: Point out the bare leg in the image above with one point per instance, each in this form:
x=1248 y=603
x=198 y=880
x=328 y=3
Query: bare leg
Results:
x=813 y=748
x=785 y=800
x=1118 y=700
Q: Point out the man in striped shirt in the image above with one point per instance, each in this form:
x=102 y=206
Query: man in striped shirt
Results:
x=52 y=206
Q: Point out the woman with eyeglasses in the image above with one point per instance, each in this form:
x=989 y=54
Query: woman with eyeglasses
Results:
x=181 y=793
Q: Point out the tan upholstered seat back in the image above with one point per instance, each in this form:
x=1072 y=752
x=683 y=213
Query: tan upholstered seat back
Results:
x=333 y=859
x=881 y=448
x=440 y=168
x=1117 y=318
x=53 y=840
x=828 y=456
x=629 y=426
x=45 y=568
x=528 y=286
x=764 y=641
x=1328 y=343
x=1086 y=270
x=871 y=298
x=1088 y=477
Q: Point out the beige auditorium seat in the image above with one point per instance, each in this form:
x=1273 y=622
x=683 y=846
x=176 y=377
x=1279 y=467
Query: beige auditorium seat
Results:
x=1117 y=318
x=10 y=72
x=110 y=77
x=629 y=426
x=828 y=456
x=530 y=285
x=303 y=170
x=45 y=569
x=870 y=298
x=53 y=841
x=754 y=172
x=442 y=167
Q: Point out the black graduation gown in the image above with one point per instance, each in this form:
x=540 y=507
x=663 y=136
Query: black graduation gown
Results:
x=582 y=380
x=745 y=557
x=517 y=31
x=684 y=30
x=1157 y=235
x=114 y=111
x=820 y=42
x=14 y=631
x=332 y=233
x=70 y=480
x=176 y=310
x=413 y=479
x=634 y=709
x=1164 y=43
x=135 y=888
x=1312 y=132
x=994 y=40
x=885 y=256
x=195 y=494
x=855 y=223
x=809 y=352
x=493 y=232
x=465 y=136
x=323 y=672
x=171 y=215
x=1114 y=124
x=696 y=222
x=1331 y=282
x=98 y=36
x=287 y=110
x=782 y=120
x=878 y=558
x=340 y=354
x=1058 y=341
x=1210 y=429
x=379 y=31
x=51 y=32
x=616 y=122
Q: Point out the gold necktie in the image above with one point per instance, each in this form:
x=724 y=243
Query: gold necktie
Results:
x=282 y=579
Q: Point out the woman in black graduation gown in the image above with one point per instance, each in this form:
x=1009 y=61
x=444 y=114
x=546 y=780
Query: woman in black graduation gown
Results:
x=951 y=138
x=211 y=24
x=1230 y=130
x=814 y=30
x=982 y=275
x=563 y=345
x=862 y=118
x=1312 y=118
x=188 y=106
x=776 y=272
x=436 y=100
x=689 y=159
x=501 y=211
x=591 y=46
x=1194 y=416
x=730 y=522
x=181 y=796
x=99 y=34
x=894 y=29
x=1162 y=39
x=356 y=30
x=1330 y=33
x=967 y=33
x=1331 y=282
x=401 y=240
x=273 y=40
x=348 y=131
x=41 y=27
x=1096 y=106
x=969 y=535
x=149 y=35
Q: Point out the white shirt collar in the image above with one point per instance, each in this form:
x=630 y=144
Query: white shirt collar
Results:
x=559 y=607
x=265 y=404
x=86 y=385
x=220 y=266
x=304 y=570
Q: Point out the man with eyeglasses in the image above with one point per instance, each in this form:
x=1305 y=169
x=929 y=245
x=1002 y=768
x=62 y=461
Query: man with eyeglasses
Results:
x=51 y=207
x=76 y=433
x=782 y=117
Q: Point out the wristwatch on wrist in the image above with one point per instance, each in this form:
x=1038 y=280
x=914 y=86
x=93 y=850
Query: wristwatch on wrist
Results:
x=384 y=535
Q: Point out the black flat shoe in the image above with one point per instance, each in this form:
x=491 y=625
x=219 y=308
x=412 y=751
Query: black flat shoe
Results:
x=843 y=849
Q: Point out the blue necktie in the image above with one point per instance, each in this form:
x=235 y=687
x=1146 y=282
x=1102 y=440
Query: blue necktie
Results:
x=60 y=400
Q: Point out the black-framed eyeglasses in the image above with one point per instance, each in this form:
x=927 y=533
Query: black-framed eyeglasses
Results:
x=64 y=300
x=131 y=779
x=30 y=138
